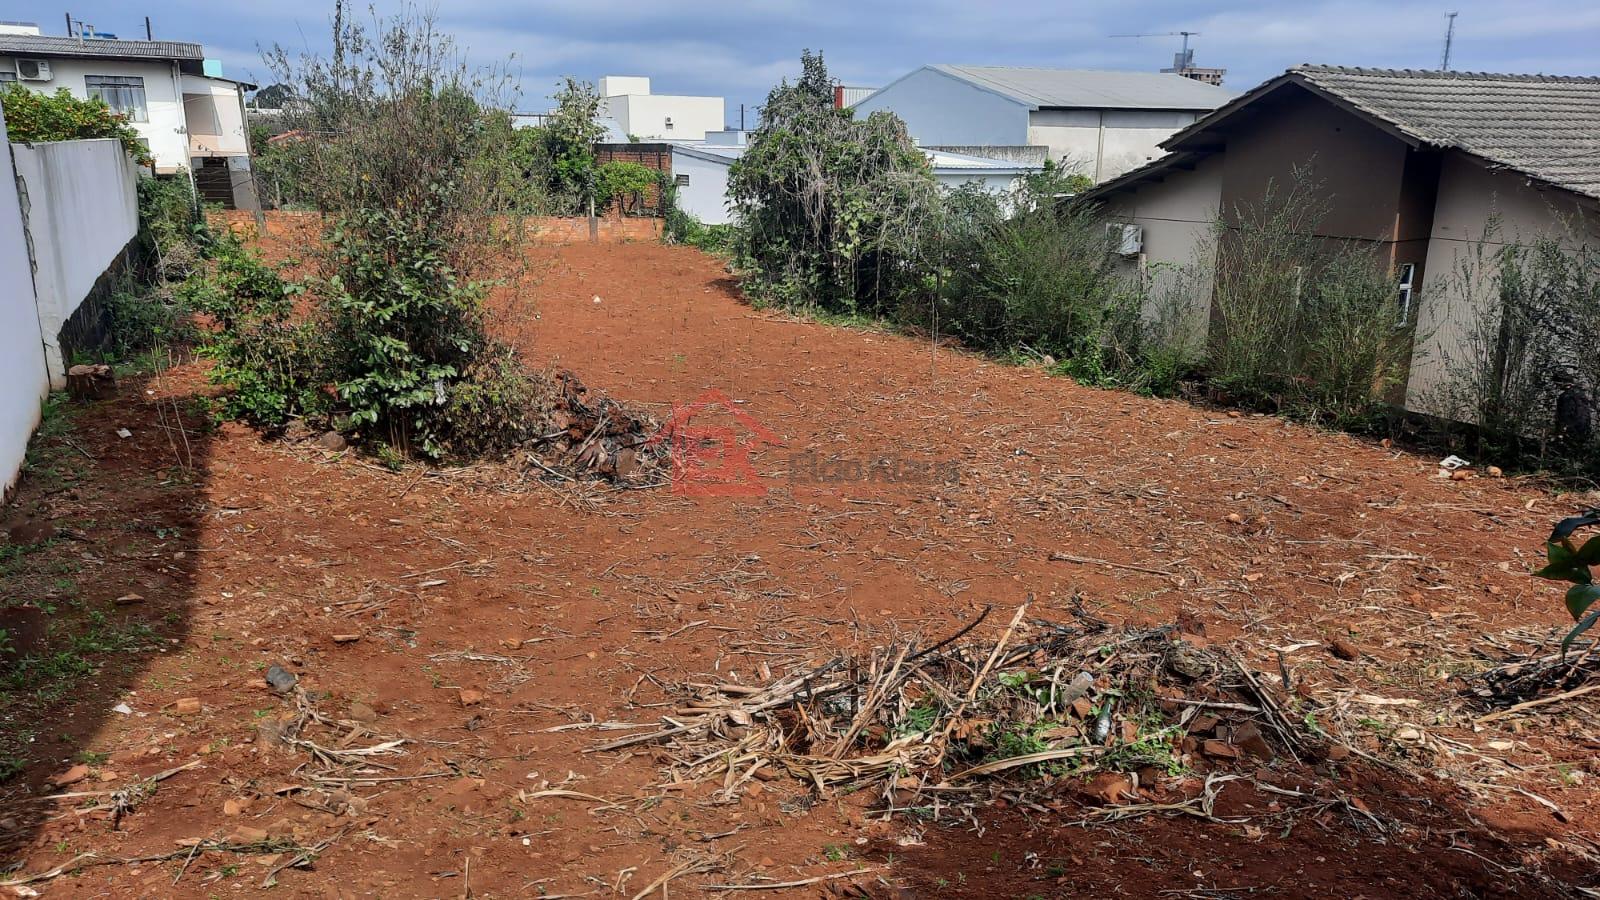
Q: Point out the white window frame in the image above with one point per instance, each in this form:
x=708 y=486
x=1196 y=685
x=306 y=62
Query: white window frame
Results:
x=123 y=91
x=1406 y=284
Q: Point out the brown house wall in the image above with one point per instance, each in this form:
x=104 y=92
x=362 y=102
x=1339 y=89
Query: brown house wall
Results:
x=1357 y=168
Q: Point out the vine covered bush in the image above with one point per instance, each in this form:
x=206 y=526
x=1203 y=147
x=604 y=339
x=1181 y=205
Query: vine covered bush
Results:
x=834 y=210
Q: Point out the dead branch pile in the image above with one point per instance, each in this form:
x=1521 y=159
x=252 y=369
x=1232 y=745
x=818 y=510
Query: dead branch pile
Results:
x=922 y=724
x=599 y=436
x=1520 y=677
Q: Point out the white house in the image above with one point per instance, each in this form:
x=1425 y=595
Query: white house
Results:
x=657 y=117
x=1100 y=123
x=700 y=171
x=190 y=117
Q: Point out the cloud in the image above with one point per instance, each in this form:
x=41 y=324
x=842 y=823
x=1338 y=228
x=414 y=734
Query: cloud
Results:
x=740 y=48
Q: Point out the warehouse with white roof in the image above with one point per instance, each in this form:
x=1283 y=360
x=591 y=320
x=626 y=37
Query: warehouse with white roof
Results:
x=1099 y=123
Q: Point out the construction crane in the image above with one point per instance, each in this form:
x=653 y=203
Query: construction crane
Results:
x=1186 y=56
x=1449 y=39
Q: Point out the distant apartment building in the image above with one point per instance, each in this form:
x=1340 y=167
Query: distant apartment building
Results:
x=1183 y=64
x=657 y=117
x=191 y=118
x=1099 y=123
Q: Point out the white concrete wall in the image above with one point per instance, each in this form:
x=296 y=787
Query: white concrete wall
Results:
x=618 y=85
x=1448 y=310
x=82 y=209
x=951 y=179
x=706 y=195
x=165 y=132
x=645 y=116
x=24 y=381
x=1104 y=143
x=215 y=119
x=940 y=110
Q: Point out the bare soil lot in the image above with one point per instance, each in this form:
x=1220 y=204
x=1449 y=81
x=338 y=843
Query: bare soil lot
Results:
x=495 y=621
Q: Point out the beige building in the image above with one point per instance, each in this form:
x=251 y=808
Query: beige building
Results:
x=1428 y=167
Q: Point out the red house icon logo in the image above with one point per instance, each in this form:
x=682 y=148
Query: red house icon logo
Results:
x=713 y=460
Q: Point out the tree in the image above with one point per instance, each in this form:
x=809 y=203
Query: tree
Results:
x=273 y=96
x=37 y=118
x=569 y=136
x=834 y=209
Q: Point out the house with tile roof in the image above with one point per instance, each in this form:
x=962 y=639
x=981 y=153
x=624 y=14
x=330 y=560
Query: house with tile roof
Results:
x=1427 y=167
x=1097 y=122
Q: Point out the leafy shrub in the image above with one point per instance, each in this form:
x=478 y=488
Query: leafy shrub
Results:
x=1565 y=561
x=679 y=226
x=622 y=182
x=408 y=169
x=33 y=117
x=1042 y=278
x=1303 y=323
x=404 y=325
x=833 y=209
x=143 y=310
x=172 y=234
x=568 y=139
x=272 y=364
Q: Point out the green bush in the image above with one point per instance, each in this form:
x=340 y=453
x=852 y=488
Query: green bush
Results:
x=622 y=182
x=33 y=117
x=272 y=364
x=833 y=209
x=1042 y=279
x=405 y=326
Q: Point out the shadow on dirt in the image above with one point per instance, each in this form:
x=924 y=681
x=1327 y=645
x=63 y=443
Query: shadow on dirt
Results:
x=97 y=579
x=1411 y=839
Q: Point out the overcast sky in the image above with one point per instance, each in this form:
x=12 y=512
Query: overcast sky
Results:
x=739 y=48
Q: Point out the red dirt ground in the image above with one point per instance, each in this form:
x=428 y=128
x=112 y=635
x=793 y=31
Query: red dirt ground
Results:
x=565 y=606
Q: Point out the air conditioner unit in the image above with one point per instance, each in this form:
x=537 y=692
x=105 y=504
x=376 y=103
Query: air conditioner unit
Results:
x=33 y=70
x=1127 y=240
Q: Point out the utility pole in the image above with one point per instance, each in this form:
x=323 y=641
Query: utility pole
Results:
x=1449 y=39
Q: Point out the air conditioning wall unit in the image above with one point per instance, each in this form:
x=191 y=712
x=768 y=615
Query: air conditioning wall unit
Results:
x=33 y=70
x=1126 y=239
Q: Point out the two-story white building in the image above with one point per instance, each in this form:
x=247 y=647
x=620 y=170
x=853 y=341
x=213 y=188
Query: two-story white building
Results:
x=657 y=117
x=190 y=117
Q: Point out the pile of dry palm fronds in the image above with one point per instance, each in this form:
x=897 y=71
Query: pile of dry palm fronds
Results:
x=1039 y=700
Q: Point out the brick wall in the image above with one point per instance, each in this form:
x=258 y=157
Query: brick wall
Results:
x=651 y=156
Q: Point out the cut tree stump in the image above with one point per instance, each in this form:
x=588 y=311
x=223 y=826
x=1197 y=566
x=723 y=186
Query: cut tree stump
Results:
x=91 y=382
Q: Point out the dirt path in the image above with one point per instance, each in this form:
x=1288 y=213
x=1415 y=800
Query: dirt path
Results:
x=485 y=619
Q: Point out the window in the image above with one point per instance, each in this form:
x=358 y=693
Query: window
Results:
x=123 y=93
x=7 y=77
x=681 y=180
x=1408 y=276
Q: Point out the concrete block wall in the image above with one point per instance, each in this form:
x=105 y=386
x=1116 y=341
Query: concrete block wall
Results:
x=68 y=212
